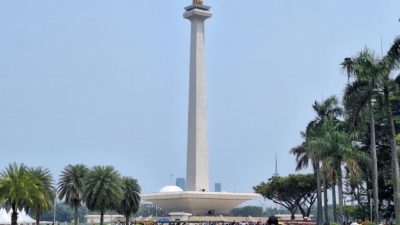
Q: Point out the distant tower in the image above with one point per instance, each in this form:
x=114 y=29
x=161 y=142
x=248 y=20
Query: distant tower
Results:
x=197 y=145
x=181 y=182
x=276 y=174
x=218 y=187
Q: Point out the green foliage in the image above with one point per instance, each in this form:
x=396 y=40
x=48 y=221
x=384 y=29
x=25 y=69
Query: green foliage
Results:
x=20 y=189
x=64 y=213
x=254 y=211
x=296 y=191
x=46 y=186
x=103 y=189
x=70 y=186
x=131 y=198
x=148 y=210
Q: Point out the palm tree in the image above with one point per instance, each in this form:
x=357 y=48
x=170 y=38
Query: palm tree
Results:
x=303 y=157
x=375 y=80
x=335 y=148
x=358 y=100
x=19 y=189
x=390 y=63
x=103 y=189
x=324 y=110
x=46 y=186
x=70 y=186
x=131 y=198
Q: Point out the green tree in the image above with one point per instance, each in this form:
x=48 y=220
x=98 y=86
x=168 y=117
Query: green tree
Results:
x=303 y=157
x=45 y=179
x=327 y=109
x=19 y=189
x=131 y=197
x=255 y=211
x=388 y=65
x=359 y=100
x=70 y=186
x=103 y=189
x=335 y=148
x=296 y=191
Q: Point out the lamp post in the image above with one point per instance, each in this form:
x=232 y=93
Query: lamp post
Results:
x=55 y=207
x=370 y=203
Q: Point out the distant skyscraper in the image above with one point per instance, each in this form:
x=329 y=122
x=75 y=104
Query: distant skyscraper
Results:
x=217 y=187
x=181 y=182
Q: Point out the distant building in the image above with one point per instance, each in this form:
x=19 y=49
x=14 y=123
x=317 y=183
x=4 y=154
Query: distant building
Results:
x=218 y=187
x=181 y=182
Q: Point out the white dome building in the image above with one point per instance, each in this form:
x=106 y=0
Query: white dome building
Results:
x=170 y=189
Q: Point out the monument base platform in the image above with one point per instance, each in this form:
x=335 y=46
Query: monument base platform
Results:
x=199 y=203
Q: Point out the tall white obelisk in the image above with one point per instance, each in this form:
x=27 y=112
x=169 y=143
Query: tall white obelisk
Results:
x=197 y=200
x=197 y=149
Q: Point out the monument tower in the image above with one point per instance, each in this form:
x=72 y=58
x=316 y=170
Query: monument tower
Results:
x=197 y=145
x=197 y=199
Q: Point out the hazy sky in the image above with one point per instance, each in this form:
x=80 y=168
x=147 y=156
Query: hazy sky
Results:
x=106 y=82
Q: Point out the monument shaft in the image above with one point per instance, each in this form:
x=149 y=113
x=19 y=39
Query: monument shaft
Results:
x=197 y=146
x=197 y=200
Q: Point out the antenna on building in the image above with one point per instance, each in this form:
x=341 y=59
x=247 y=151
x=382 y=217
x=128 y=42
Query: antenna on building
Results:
x=276 y=174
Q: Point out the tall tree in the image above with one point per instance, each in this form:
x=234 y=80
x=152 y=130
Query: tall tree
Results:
x=335 y=148
x=103 y=189
x=70 y=186
x=358 y=101
x=45 y=179
x=389 y=64
x=303 y=157
x=19 y=189
x=131 y=197
x=327 y=109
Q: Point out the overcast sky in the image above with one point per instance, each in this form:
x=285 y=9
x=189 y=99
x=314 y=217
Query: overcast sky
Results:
x=106 y=82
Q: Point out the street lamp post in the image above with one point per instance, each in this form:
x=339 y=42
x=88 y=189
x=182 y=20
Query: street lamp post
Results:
x=55 y=207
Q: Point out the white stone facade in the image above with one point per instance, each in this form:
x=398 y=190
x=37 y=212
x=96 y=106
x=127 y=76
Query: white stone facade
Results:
x=197 y=149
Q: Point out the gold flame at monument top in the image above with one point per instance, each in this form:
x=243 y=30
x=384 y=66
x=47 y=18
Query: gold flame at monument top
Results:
x=198 y=2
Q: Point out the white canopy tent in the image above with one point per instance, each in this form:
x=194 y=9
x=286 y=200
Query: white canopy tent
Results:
x=4 y=218
x=23 y=218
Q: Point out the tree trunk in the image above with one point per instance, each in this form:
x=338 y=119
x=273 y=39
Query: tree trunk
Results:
x=76 y=215
x=127 y=218
x=37 y=216
x=395 y=160
x=292 y=217
x=374 y=163
x=325 y=184
x=14 y=216
x=340 y=190
x=102 y=217
x=334 y=207
x=319 y=196
x=301 y=210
